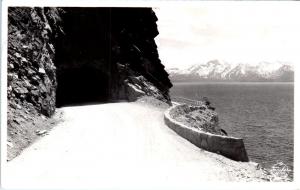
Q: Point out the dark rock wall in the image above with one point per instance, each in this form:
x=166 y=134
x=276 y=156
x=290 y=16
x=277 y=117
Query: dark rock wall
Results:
x=31 y=70
x=133 y=45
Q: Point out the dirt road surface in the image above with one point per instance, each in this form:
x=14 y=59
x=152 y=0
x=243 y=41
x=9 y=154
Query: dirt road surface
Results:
x=117 y=145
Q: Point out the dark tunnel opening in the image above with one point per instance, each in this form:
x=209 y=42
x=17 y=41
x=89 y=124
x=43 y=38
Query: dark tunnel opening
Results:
x=80 y=86
x=82 y=57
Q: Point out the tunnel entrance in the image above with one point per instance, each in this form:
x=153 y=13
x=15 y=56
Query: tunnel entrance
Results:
x=100 y=48
x=82 y=57
x=82 y=86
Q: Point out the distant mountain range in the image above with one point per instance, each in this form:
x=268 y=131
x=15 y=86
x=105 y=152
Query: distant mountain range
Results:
x=216 y=70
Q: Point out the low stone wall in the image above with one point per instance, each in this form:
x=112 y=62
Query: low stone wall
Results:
x=229 y=147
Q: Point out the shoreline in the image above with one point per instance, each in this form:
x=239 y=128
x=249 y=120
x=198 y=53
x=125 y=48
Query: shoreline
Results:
x=277 y=169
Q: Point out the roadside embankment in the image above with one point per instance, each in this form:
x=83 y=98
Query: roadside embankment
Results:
x=203 y=131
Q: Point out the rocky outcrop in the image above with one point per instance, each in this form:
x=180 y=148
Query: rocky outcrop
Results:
x=204 y=133
x=139 y=86
x=133 y=33
x=31 y=69
x=199 y=117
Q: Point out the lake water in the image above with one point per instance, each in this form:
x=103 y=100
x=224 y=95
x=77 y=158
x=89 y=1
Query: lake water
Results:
x=260 y=113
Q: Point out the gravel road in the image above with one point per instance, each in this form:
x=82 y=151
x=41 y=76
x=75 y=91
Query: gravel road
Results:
x=118 y=145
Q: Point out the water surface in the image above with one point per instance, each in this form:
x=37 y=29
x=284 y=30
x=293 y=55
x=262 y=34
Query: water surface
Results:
x=260 y=113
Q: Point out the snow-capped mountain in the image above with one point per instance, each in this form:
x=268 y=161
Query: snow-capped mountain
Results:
x=216 y=70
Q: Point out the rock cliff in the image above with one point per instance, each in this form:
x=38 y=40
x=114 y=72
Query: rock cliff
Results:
x=31 y=74
x=63 y=56
x=31 y=70
x=114 y=53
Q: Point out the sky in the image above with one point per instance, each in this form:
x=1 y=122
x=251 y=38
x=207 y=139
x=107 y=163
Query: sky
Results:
x=231 y=32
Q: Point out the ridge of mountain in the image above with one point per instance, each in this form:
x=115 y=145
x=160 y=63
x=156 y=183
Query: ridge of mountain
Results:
x=216 y=70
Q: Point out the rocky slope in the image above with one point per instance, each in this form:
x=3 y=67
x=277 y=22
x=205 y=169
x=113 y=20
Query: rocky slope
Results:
x=31 y=74
x=216 y=70
x=63 y=56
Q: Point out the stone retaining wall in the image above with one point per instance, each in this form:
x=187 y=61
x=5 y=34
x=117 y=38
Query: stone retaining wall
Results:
x=229 y=147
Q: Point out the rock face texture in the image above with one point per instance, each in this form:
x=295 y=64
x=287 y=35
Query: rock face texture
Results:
x=31 y=70
x=198 y=117
x=63 y=56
